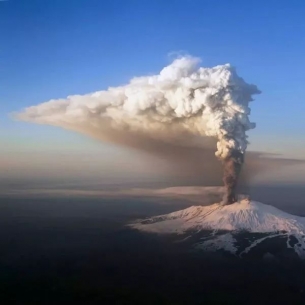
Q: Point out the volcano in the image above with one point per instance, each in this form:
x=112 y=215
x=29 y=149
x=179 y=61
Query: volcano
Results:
x=237 y=228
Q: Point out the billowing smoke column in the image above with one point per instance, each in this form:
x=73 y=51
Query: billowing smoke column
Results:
x=182 y=99
x=232 y=167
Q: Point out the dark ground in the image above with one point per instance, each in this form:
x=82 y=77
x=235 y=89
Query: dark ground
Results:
x=55 y=251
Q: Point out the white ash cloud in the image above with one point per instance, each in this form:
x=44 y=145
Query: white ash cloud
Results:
x=182 y=99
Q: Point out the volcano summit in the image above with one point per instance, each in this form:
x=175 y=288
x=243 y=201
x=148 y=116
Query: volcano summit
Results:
x=237 y=228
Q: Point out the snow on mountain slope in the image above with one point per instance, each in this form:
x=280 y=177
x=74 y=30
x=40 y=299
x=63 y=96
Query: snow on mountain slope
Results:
x=244 y=215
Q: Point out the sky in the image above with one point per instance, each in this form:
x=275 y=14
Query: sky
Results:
x=54 y=48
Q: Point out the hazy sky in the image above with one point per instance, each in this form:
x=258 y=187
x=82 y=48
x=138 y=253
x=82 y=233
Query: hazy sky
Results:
x=55 y=48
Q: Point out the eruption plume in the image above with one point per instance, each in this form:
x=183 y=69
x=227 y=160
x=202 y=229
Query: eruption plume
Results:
x=182 y=100
x=232 y=167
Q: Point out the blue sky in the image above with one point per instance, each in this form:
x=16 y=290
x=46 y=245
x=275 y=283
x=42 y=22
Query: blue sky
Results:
x=54 y=48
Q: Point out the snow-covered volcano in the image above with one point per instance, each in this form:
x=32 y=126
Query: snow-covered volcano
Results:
x=225 y=223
